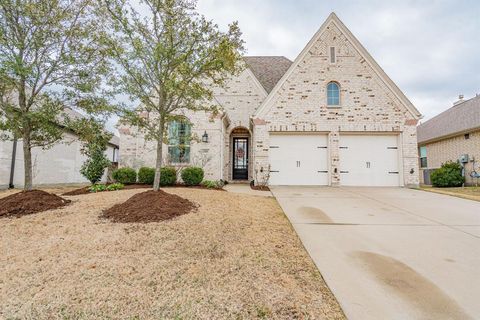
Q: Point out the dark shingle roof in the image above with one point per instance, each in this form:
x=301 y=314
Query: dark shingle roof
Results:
x=460 y=118
x=268 y=70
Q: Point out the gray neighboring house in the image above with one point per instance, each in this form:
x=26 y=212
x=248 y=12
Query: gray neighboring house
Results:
x=57 y=165
x=450 y=136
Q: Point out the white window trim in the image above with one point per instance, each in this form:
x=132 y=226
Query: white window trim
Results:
x=333 y=106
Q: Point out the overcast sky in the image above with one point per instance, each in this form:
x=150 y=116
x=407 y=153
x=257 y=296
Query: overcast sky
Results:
x=430 y=49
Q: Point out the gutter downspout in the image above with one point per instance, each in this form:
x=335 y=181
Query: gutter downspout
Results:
x=12 y=165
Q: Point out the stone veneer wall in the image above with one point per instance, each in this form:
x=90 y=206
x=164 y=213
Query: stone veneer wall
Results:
x=366 y=104
x=239 y=99
x=451 y=149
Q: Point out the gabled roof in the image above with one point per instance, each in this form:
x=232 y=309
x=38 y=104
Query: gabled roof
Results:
x=461 y=118
x=332 y=18
x=268 y=69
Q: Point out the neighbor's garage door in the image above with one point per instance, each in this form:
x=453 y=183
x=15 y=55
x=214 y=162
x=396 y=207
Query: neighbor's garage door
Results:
x=298 y=159
x=369 y=160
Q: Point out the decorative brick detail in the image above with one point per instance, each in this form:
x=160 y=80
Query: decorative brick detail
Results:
x=259 y=122
x=411 y=122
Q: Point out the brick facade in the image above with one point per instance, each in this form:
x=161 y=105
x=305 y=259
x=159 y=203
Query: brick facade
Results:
x=367 y=104
x=450 y=149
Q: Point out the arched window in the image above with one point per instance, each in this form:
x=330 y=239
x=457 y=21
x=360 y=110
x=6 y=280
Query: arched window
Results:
x=333 y=94
x=179 y=134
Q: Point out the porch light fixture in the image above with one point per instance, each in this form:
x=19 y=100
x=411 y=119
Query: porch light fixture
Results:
x=205 y=137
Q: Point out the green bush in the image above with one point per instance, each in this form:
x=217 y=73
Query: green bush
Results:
x=449 y=175
x=211 y=184
x=192 y=176
x=146 y=175
x=168 y=176
x=115 y=186
x=125 y=175
x=102 y=187
x=98 y=188
x=94 y=167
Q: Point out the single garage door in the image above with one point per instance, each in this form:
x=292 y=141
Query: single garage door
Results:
x=369 y=160
x=298 y=159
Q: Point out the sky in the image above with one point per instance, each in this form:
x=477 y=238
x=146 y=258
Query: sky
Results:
x=430 y=49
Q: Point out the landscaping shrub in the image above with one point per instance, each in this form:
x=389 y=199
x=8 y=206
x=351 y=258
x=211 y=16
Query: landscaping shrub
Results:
x=211 y=184
x=146 y=175
x=168 y=176
x=125 y=175
x=115 y=186
x=192 y=176
x=98 y=188
x=102 y=187
x=449 y=175
x=94 y=167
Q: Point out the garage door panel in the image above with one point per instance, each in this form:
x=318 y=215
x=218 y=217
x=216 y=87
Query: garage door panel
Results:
x=298 y=160
x=369 y=160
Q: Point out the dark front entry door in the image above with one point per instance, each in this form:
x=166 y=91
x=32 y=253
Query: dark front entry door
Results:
x=240 y=158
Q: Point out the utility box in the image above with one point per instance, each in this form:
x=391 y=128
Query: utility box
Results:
x=463 y=158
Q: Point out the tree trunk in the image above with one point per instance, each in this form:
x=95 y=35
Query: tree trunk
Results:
x=158 y=164
x=27 y=148
x=27 y=159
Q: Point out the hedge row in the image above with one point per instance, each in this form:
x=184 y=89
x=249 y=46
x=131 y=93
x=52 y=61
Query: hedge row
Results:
x=191 y=176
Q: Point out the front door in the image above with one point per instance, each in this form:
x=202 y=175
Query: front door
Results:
x=240 y=158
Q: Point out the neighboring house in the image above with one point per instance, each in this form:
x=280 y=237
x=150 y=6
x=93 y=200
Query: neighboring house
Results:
x=449 y=136
x=331 y=117
x=59 y=164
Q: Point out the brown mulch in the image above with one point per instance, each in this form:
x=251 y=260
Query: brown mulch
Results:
x=28 y=202
x=259 y=188
x=149 y=206
x=86 y=190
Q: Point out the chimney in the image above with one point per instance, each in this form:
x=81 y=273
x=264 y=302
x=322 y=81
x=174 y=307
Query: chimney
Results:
x=460 y=100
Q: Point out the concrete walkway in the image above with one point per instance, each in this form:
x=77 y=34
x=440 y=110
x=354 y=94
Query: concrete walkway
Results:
x=391 y=253
x=245 y=189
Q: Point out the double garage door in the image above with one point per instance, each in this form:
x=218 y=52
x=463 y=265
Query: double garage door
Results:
x=365 y=160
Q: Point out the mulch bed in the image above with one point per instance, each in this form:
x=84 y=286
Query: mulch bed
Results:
x=149 y=206
x=259 y=188
x=28 y=202
x=86 y=190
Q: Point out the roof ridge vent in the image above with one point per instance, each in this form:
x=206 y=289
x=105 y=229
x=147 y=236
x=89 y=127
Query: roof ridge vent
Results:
x=460 y=100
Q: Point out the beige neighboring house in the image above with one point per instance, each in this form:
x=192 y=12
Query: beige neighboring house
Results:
x=331 y=117
x=57 y=165
x=450 y=136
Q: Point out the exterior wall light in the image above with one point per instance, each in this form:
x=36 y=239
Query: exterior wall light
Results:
x=205 y=137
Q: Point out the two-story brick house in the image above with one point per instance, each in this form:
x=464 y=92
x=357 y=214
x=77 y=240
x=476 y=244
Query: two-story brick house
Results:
x=331 y=117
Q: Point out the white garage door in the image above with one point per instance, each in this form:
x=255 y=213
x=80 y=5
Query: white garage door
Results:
x=369 y=160
x=298 y=160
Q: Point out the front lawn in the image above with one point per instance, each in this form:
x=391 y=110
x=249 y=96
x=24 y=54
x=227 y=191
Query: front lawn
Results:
x=236 y=257
x=471 y=193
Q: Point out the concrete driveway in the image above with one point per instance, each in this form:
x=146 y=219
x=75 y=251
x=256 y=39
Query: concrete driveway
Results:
x=391 y=253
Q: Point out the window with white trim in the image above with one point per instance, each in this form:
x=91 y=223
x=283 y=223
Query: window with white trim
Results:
x=333 y=94
x=179 y=134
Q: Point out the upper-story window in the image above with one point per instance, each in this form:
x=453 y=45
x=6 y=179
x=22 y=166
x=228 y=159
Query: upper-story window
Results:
x=179 y=134
x=333 y=94
x=333 y=57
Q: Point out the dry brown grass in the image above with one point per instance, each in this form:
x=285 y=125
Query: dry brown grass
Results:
x=471 y=193
x=237 y=257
